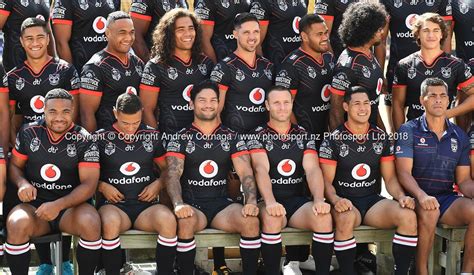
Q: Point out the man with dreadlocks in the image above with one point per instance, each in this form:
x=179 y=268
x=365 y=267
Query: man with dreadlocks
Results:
x=176 y=64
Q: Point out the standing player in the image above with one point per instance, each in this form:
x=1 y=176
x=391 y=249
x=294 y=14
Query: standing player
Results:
x=430 y=33
x=12 y=14
x=129 y=187
x=352 y=159
x=243 y=78
x=146 y=14
x=109 y=73
x=56 y=170
x=279 y=31
x=176 y=64
x=79 y=28
x=432 y=157
x=284 y=159
x=198 y=164
x=217 y=21
x=361 y=28
x=4 y=111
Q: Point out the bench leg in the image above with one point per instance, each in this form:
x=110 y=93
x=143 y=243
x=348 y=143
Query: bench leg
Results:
x=202 y=258
x=384 y=258
x=453 y=256
x=58 y=257
x=434 y=266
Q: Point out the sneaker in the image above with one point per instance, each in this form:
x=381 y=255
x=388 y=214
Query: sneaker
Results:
x=223 y=270
x=45 y=269
x=67 y=268
x=368 y=260
x=129 y=269
x=310 y=265
x=292 y=268
x=362 y=269
x=100 y=272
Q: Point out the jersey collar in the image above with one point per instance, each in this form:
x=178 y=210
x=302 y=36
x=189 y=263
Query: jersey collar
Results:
x=424 y=126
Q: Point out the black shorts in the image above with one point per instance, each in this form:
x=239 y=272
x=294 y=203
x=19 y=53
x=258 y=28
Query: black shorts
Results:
x=445 y=202
x=54 y=224
x=133 y=208
x=210 y=207
x=363 y=204
x=292 y=204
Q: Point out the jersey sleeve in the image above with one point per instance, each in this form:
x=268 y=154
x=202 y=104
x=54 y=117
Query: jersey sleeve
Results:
x=2 y=156
x=21 y=144
x=255 y=142
x=342 y=80
x=465 y=150
x=327 y=151
x=92 y=82
x=471 y=141
x=176 y=147
x=445 y=10
x=88 y=154
x=287 y=77
x=238 y=146
x=205 y=10
x=151 y=80
x=404 y=144
x=209 y=65
x=6 y=7
x=160 y=151
x=142 y=9
x=261 y=10
x=73 y=82
x=13 y=93
x=221 y=75
x=62 y=13
x=400 y=76
x=387 y=151
x=325 y=8
x=464 y=76
x=4 y=78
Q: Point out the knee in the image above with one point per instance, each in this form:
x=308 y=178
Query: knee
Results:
x=110 y=222
x=186 y=226
x=88 y=221
x=407 y=219
x=250 y=226
x=271 y=224
x=428 y=218
x=19 y=225
x=322 y=222
x=345 y=221
x=166 y=221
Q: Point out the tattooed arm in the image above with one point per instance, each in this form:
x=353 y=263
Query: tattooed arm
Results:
x=244 y=169
x=173 y=185
x=467 y=105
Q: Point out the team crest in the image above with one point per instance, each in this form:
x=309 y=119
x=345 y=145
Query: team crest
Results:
x=116 y=74
x=35 y=144
x=20 y=83
x=109 y=149
x=294 y=3
x=454 y=145
x=190 y=147
x=269 y=146
x=268 y=73
x=344 y=1
x=366 y=72
x=203 y=69
x=282 y=5
x=430 y=3
x=378 y=146
x=463 y=8
x=148 y=145
x=397 y=3
x=239 y=75
x=411 y=73
x=467 y=72
x=111 y=4
x=25 y=3
x=172 y=73
x=344 y=151
x=299 y=142
x=225 y=3
x=71 y=150
x=54 y=79
x=84 y=4
x=324 y=71
x=446 y=72
x=166 y=5
x=225 y=145
x=311 y=72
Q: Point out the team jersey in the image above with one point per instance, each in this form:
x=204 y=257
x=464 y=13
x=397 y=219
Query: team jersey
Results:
x=127 y=162
x=412 y=70
x=88 y=20
x=152 y=11
x=332 y=10
x=471 y=140
x=27 y=89
x=221 y=14
x=174 y=83
x=357 y=69
x=357 y=159
x=282 y=18
x=4 y=80
x=308 y=80
x=106 y=76
x=285 y=156
x=463 y=13
x=17 y=11
x=434 y=161
x=245 y=88
x=207 y=160
x=52 y=165
x=2 y=156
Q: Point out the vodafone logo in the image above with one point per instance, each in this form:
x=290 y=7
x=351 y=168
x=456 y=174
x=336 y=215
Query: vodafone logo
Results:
x=50 y=172
x=410 y=20
x=187 y=92
x=296 y=24
x=129 y=168
x=379 y=86
x=286 y=167
x=326 y=93
x=37 y=104
x=39 y=16
x=99 y=24
x=257 y=96
x=361 y=171
x=131 y=90
x=208 y=169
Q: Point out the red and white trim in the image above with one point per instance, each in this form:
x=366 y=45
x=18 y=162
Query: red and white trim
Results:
x=111 y=244
x=17 y=249
x=185 y=247
x=405 y=240
x=250 y=244
x=1 y=250
x=94 y=245
x=323 y=237
x=345 y=245
x=170 y=242
x=271 y=238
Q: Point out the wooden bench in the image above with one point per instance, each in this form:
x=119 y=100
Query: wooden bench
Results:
x=451 y=256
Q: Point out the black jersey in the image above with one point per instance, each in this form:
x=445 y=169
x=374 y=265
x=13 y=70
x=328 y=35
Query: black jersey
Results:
x=106 y=76
x=207 y=160
x=245 y=88
x=27 y=89
x=282 y=18
x=88 y=20
x=174 y=83
x=4 y=80
x=463 y=15
x=2 y=156
x=285 y=156
x=152 y=11
x=126 y=162
x=309 y=81
x=52 y=165
x=221 y=14
x=357 y=69
x=17 y=11
x=357 y=158
x=412 y=70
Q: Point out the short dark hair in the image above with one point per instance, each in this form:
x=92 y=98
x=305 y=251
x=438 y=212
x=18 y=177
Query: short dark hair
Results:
x=58 y=93
x=308 y=20
x=360 y=22
x=244 y=17
x=33 y=22
x=276 y=88
x=128 y=103
x=354 y=90
x=205 y=84
x=431 y=81
x=431 y=17
x=117 y=15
